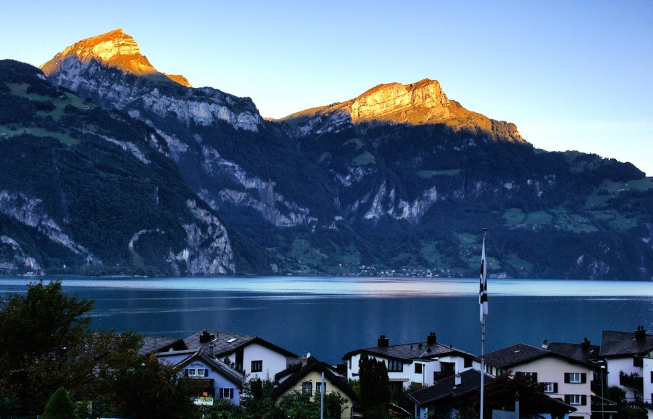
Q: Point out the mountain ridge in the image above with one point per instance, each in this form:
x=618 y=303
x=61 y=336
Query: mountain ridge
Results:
x=399 y=181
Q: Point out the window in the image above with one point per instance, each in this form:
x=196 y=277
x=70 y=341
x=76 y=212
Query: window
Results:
x=318 y=386
x=531 y=375
x=576 y=399
x=257 y=366
x=638 y=361
x=575 y=377
x=226 y=393
x=550 y=387
x=192 y=372
x=419 y=368
x=395 y=365
x=307 y=388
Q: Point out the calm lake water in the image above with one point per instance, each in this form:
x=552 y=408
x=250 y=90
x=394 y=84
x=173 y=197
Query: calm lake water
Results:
x=329 y=316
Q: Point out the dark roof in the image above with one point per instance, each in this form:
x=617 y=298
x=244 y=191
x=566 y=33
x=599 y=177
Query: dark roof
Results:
x=298 y=371
x=154 y=344
x=578 y=352
x=616 y=344
x=410 y=351
x=470 y=381
x=226 y=343
x=233 y=375
x=514 y=355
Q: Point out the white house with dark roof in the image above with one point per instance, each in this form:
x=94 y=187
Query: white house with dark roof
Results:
x=419 y=362
x=255 y=357
x=221 y=381
x=566 y=370
x=629 y=362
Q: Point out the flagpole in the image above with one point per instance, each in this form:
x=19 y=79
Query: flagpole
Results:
x=483 y=307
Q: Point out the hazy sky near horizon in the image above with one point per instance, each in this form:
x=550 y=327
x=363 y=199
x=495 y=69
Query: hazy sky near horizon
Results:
x=573 y=75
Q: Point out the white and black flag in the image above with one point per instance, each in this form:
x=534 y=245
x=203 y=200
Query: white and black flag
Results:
x=482 y=296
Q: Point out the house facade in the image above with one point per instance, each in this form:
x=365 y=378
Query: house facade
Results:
x=221 y=381
x=255 y=357
x=306 y=378
x=440 y=399
x=565 y=377
x=419 y=362
x=628 y=359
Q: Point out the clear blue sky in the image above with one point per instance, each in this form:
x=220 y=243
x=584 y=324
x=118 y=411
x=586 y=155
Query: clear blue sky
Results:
x=573 y=75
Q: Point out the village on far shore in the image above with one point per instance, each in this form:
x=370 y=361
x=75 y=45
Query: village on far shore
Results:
x=574 y=376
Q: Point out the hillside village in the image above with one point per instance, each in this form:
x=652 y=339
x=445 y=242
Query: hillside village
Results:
x=436 y=376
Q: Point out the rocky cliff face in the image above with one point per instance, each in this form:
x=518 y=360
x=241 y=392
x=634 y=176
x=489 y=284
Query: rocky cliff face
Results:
x=96 y=67
x=419 y=103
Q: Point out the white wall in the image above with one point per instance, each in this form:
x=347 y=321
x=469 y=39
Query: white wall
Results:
x=273 y=362
x=648 y=382
x=617 y=365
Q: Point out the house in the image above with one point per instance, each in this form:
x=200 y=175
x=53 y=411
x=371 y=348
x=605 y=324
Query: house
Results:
x=221 y=380
x=255 y=357
x=306 y=378
x=629 y=362
x=439 y=400
x=419 y=362
x=156 y=344
x=566 y=370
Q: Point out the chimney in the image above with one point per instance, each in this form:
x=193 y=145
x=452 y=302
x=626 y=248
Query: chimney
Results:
x=545 y=344
x=211 y=349
x=383 y=341
x=457 y=380
x=304 y=360
x=640 y=333
x=431 y=339
x=206 y=337
x=585 y=346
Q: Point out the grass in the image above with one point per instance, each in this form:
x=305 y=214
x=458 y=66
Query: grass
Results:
x=363 y=159
x=20 y=89
x=356 y=142
x=598 y=197
x=324 y=156
x=538 y=218
x=427 y=174
x=514 y=216
x=40 y=132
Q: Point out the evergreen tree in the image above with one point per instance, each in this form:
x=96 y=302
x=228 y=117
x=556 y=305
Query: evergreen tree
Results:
x=60 y=406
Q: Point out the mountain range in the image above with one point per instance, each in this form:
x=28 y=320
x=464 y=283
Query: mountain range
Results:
x=112 y=167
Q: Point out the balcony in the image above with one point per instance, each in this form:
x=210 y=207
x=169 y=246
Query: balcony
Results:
x=632 y=381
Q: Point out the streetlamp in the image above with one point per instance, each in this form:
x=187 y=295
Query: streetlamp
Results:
x=602 y=400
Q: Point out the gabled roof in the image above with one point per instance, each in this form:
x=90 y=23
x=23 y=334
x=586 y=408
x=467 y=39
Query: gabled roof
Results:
x=578 y=352
x=514 y=355
x=470 y=381
x=621 y=344
x=226 y=343
x=215 y=364
x=154 y=344
x=411 y=351
x=298 y=371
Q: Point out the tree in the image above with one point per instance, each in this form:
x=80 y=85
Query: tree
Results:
x=60 y=406
x=374 y=387
x=43 y=337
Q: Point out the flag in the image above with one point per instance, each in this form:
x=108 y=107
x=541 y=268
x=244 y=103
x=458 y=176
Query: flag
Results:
x=482 y=295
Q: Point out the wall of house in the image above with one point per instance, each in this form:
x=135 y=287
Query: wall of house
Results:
x=273 y=362
x=648 y=383
x=552 y=370
x=219 y=381
x=625 y=365
x=314 y=378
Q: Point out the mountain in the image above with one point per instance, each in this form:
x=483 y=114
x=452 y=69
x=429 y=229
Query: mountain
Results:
x=89 y=190
x=398 y=181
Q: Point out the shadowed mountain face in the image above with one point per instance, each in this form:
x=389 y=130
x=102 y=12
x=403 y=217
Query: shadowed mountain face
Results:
x=398 y=181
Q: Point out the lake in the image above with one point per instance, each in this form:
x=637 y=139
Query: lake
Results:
x=329 y=316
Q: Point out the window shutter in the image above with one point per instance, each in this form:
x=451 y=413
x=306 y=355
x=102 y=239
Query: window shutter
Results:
x=221 y=393
x=583 y=399
x=567 y=399
x=186 y=372
x=206 y=372
x=231 y=394
x=651 y=376
x=567 y=378
x=583 y=378
x=534 y=375
x=555 y=387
